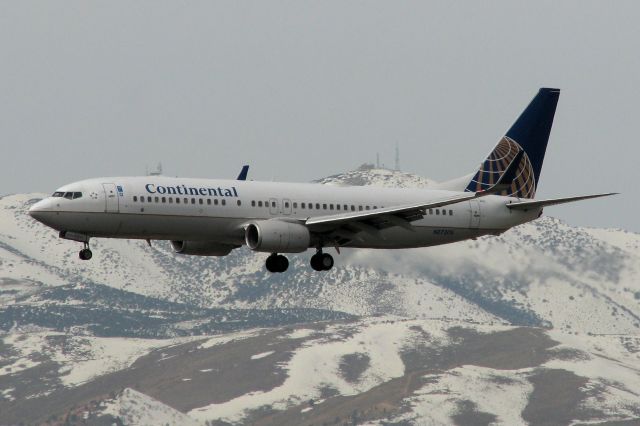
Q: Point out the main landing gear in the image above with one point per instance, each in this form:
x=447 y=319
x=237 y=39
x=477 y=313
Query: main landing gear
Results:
x=277 y=263
x=85 y=253
x=321 y=261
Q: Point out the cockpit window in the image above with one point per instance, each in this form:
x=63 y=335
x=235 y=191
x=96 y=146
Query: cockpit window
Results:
x=68 y=195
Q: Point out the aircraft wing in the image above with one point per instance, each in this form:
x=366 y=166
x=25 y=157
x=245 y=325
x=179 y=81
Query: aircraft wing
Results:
x=346 y=226
x=395 y=214
x=530 y=204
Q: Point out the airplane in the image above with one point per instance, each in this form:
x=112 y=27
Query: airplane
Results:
x=207 y=217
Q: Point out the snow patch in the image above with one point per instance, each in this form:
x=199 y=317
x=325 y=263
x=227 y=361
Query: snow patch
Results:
x=501 y=393
x=135 y=408
x=227 y=338
x=262 y=355
x=317 y=365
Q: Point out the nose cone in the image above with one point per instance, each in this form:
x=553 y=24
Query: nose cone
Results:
x=41 y=210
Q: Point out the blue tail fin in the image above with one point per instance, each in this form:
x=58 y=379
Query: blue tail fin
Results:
x=530 y=133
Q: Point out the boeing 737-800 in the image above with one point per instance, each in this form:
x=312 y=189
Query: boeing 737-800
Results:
x=212 y=217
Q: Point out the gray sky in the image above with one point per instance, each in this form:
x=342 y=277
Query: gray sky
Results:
x=301 y=90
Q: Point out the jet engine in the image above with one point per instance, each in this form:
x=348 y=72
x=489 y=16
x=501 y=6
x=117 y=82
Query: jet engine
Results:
x=201 y=248
x=277 y=236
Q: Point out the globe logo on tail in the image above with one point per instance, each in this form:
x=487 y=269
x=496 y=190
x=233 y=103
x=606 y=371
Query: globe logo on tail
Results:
x=523 y=186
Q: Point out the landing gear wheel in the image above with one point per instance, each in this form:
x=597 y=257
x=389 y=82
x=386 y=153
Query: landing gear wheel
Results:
x=85 y=254
x=316 y=260
x=277 y=263
x=282 y=263
x=326 y=261
x=321 y=261
x=271 y=263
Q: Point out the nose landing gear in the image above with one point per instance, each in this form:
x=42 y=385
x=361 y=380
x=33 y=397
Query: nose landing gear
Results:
x=321 y=261
x=85 y=253
x=277 y=263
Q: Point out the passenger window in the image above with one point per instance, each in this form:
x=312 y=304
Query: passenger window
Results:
x=346 y=207
x=170 y=200
x=302 y=205
x=360 y=208
x=273 y=204
x=317 y=206
x=259 y=203
x=200 y=201
x=450 y=212
x=437 y=212
x=253 y=203
x=186 y=201
x=135 y=198
x=430 y=211
x=286 y=204
x=330 y=206
x=353 y=208
x=149 y=199
x=367 y=208
x=239 y=203
x=324 y=206
x=177 y=200
x=157 y=199
x=337 y=206
x=224 y=202
x=375 y=207
x=215 y=201
x=142 y=199
x=208 y=201
x=295 y=205
x=164 y=200
x=193 y=201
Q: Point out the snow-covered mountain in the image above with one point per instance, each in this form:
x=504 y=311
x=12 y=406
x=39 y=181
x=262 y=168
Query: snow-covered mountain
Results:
x=480 y=330
x=545 y=273
x=374 y=371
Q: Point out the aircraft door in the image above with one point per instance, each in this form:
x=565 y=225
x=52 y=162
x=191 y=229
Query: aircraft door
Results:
x=273 y=206
x=111 y=198
x=475 y=214
x=286 y=206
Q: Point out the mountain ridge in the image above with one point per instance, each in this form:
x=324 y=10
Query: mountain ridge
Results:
x=474 y=331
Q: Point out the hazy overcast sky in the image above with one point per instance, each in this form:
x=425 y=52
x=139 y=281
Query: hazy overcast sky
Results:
x=300 y=90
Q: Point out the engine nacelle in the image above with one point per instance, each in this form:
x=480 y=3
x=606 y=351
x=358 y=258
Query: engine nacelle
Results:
x=277 y=236
x=201 y=248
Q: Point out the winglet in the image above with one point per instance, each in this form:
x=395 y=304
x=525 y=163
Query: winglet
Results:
x=243 y=172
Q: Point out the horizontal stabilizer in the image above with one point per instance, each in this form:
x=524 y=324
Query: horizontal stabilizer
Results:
x=526 y=205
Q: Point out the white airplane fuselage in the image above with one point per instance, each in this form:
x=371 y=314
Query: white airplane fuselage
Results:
x=212 y=217
x=181 y=209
